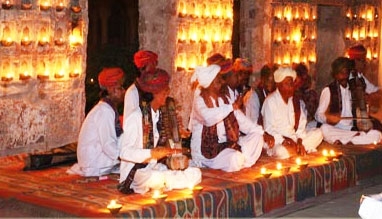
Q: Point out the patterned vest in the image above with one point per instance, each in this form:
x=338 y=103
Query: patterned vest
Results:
x=210 y=146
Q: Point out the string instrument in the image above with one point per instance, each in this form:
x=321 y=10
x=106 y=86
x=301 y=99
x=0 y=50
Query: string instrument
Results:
x=359 y=106
x=178 y=160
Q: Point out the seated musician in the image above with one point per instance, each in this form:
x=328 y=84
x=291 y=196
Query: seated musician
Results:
x=216 y=125
x=285 y=118
x=335 y=109
x=142 y=143
x=372 y=92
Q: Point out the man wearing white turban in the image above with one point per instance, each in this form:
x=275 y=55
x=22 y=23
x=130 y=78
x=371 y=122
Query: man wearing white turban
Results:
x=286 y=119
x=216 y=124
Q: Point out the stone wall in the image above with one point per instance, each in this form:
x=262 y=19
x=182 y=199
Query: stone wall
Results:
x=37 y=114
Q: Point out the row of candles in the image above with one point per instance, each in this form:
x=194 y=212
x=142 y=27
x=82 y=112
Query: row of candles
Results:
x=43 y=5
x=287 y=55
x=44 y=68
x=159 y=196
x=216 y=9
x=43 y=36
x=294 y=33
x=198 y=35
x=295 y=11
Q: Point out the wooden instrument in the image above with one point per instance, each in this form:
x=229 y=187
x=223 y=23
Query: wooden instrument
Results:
x=357 y=88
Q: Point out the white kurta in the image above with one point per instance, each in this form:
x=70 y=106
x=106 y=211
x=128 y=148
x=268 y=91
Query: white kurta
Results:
x=279 y=121
x=252 y=105
x=131 y=102
x=98 y=147
x=229 y=159
x=342 y=130
x=155 y=175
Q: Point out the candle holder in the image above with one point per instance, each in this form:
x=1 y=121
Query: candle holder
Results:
x=267 y=175
x=6 y=79
x=158 y=196
x=114 y=207
x=303 y=166
x=24 y=77
x=195 y=190
x=43 y=77
x=26 y=5
x=73 y=74
x=60 y=7
x=58 y=76
x=6 y=5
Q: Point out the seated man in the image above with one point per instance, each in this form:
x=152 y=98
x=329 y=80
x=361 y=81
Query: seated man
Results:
x=243 y=68
x=335 y=109
x=216 y=125
x=254 y=99
x=98 y=141
x=305 y=92
x=285 y=118
x=142 y=143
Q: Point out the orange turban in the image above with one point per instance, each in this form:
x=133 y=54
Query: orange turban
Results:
x=109 y=77
x=357 y=52
x=143 y=57
x=226 y=66
x=215 y=59
x=242 y=65
x=154 y=83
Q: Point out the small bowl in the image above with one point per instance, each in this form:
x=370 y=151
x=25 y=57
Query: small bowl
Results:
x=197 y=189
x=161 y=198
x=266 y=175
x=115 y=210
x=285 y=170
x=303 y=166
x=330 y=158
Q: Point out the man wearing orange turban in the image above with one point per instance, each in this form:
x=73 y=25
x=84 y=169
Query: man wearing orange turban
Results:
x=98 y=142
x=142 y=145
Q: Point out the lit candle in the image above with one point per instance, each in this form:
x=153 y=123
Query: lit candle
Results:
x=298 y=161
x=263 y=170
x=325 y=153
x=7 y=5
x=7 y=77
x=332 y=153
x=375 y=142
x=114 y=207
x=156 y=193
x=45 y=5
x=60 y=6
x=279 y=166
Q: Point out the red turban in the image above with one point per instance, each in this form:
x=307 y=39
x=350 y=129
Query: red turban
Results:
x=144 y=57
x=242 y=65
x=215 y=59
x=154 y=83
x=226 y=66
x=357 y=52
x=109 y=77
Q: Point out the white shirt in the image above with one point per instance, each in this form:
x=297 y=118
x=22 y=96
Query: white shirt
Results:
x=346 y=107
x=370 y=88
x=252 y=105
x=131 y=102
x=98 y=147
x=204 y=116
x=279 y=118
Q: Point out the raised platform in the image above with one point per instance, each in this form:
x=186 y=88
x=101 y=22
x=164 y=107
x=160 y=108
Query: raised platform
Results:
x=241 y=194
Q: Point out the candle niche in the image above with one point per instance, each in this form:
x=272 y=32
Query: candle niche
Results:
x=75 y=37
x=75 y=62
x=26 y=4
x=26 y=39
x=42 y=67
x=25 y=67
x=8 y=35
x=59 y=39
x=43 y=33
x=59 y=66
x=7 y=70
x=7 y=4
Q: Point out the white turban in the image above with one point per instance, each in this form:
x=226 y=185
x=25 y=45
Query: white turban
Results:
x=282 y=72
x=205 y=75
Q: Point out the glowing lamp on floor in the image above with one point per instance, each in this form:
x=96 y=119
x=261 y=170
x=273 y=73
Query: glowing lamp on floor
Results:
x=114 y=207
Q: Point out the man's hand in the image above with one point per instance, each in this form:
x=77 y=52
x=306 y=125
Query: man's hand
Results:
x=269 y=139
x=288 y=142
x=300 y=148
x=333 y=118
x=160 y=152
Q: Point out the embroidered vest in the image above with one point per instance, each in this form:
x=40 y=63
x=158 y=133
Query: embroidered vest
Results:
x=210 y=146
x=297 y=111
